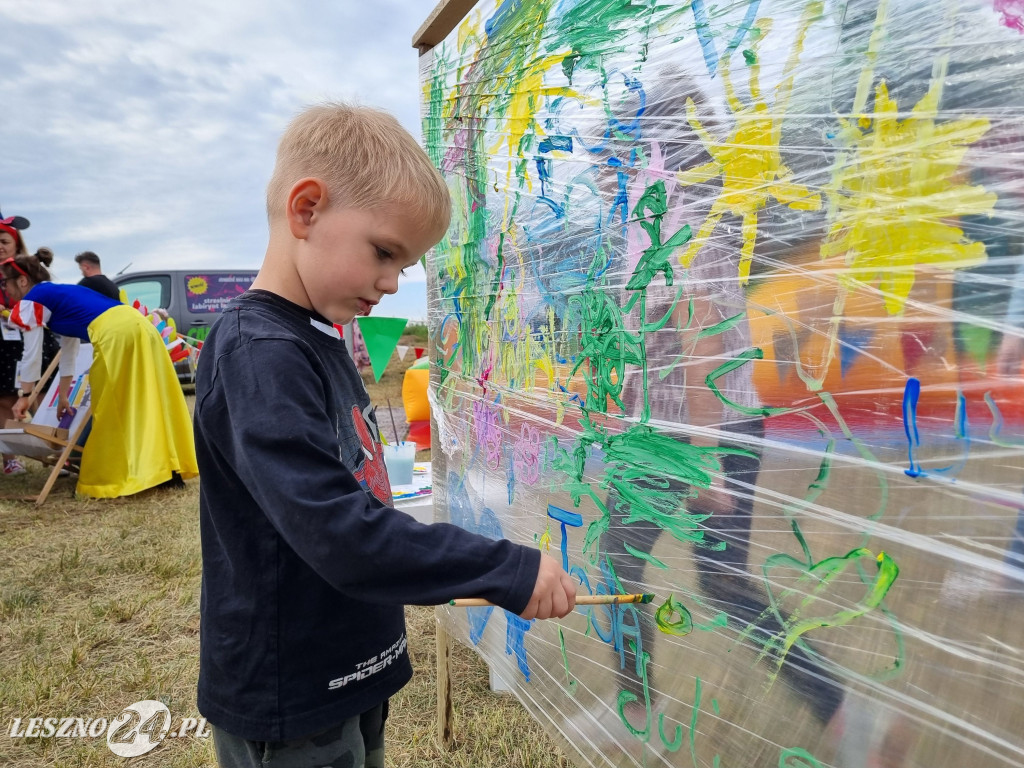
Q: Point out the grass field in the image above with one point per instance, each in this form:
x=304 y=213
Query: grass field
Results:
x=99 y=608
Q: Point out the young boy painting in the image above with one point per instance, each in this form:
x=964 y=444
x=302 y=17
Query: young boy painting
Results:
x=306 y=567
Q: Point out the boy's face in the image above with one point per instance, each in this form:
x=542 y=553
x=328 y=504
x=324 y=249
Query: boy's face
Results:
x=353 y=256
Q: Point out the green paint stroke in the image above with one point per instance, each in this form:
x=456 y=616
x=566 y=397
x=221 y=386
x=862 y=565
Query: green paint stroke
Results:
x=639 y=465
x=865 y=453
x=722 y=327
x=648 y=212
x=728 y=367
x=693 y=723
x=720 y=621
x=606 y=347
x=571 y=684
x=821 y=574
x=645 y=556
x=593 y=28
x=795 y=757
x=628 y=697
x=673 y=618
x=671 y=744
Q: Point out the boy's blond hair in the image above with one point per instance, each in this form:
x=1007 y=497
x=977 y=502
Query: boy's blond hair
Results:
x=366 y=158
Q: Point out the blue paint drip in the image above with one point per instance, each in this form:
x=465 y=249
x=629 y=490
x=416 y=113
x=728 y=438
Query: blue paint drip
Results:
x=501 y=17
x=707 y=45
x=995 y=431
x=962 y=433
x=553 y=143
x=911 y=394
x=511 y=479
x=478 y=617
x=852 y=344
x=544 y=172
x=633 y=126
x=565 y=517
x=515 y=638
x=744 y=29
x=621 y=201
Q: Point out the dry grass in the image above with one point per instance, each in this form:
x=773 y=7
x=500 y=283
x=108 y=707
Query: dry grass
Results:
x=99 y=608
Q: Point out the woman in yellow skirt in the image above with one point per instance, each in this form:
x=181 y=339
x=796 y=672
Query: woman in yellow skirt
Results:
x=141 y=433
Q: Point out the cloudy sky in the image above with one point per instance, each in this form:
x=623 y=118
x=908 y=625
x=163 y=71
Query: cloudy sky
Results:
x=146 y=132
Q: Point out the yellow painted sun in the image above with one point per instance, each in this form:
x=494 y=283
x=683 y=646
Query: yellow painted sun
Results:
x=748 y=161
x=897 y=197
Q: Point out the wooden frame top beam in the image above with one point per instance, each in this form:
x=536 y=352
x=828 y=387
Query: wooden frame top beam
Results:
x=441 y=21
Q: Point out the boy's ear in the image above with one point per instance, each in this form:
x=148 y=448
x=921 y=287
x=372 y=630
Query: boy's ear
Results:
x=306 y=197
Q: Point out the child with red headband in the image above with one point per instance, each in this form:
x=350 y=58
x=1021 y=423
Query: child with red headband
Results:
x=11 y=348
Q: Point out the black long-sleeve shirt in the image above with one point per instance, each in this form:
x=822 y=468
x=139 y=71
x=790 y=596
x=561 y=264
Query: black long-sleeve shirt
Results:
x=305 y=568
x=102 y=284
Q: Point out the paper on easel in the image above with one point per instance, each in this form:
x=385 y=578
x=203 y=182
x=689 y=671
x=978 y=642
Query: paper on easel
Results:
x=10 y=333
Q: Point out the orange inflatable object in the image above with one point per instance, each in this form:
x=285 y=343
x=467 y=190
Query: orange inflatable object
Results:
x=417 y=407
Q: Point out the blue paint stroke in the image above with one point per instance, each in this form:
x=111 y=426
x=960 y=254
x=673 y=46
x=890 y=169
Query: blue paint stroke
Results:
x=996 y=429
x=565 y=517
x=544 y=173
x=511 y=478
x=514 y=641
x=631 y=129
x=461 y=514
x=744 y=29
x=911 y=394
x=852 y=344
x=501 y=16
x=621 y=202
x=707 y=43
x=556 y=143
x=962 y=433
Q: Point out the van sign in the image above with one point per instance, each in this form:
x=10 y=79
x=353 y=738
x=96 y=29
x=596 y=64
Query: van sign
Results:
x=210 y=291
x=192 y=298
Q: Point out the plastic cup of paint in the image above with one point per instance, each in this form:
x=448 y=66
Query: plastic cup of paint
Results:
x=399 y=458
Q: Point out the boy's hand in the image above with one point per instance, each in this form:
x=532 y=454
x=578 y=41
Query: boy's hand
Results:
x=554 y=594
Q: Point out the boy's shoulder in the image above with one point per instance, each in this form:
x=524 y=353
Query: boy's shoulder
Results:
x=259 y=314
x=273 y=334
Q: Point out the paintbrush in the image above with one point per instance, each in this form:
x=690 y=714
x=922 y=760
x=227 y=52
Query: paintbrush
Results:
x=469 y=602
x=394 y=427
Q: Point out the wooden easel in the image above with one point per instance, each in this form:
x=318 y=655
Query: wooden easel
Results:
x=62 y=441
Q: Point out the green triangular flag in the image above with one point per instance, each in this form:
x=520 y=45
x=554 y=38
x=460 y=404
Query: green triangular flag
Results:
x=381 y=335
x=976 y=340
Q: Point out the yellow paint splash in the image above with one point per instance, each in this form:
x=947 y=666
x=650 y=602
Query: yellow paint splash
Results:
x=898 y=195
x=749 y=160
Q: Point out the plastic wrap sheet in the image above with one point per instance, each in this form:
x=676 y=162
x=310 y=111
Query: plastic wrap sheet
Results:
x=731 y=312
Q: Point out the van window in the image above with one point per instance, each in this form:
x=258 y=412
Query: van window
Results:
x=152 y=292
x=211 y=292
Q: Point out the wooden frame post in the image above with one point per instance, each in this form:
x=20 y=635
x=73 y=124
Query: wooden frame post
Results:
x=445 y=646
